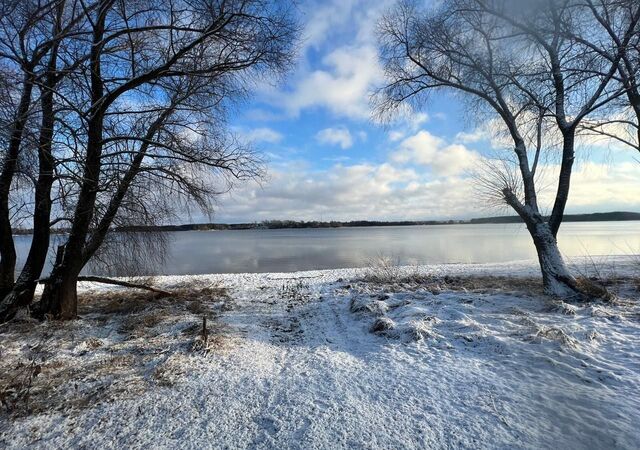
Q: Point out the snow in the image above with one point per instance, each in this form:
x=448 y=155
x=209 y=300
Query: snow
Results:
x=327 y=359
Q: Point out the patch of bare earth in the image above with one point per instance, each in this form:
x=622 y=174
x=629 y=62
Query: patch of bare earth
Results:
x=124 y=343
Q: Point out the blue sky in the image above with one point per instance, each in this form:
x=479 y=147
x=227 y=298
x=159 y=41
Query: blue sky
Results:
x=329 y=160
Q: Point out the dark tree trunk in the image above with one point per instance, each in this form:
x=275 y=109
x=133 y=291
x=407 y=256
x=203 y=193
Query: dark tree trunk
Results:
x=564 y=180
x=21 y=295
x=59 y=298
x=7 y=247
x=556 y=277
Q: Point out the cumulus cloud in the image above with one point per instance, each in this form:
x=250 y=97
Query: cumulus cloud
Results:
x=425 y=149
x=423 y=176
x=361 y=191
x=406 y=121
x=342 y=34
x=416 y=119
x=340 y=136
x=324 y=20
x=597 y=186
x=340 y=67
x=388 y=192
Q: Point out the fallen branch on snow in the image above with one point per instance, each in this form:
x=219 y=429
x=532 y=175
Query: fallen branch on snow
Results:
x=104 y=280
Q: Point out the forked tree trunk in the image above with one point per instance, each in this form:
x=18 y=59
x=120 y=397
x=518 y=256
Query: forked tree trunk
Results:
x=21 y=295
x=59 y=298
x=556 y=277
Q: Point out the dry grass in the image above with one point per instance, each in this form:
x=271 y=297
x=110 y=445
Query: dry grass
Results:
x=131 y=301
x=479 y=284
x=125 y=343
x=555 y=334
x=595 y=289
x=384 y=272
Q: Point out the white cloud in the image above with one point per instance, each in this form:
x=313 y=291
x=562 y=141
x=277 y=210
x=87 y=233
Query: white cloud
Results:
x=396 y=135
x=340 y=64
x=326 y=19
x=342 y=32
x=342 y=86
x=416 y=119
x=408 y=121
x=263 y=134
x=476 y=135
x=335 y=136
x=388 y=192
x=597 y=186
x=393 y=190
x=323 y=17
x=423 y=148
x=361 y=191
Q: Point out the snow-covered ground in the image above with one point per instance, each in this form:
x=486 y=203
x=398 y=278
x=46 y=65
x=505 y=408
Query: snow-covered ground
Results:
x=332 y=359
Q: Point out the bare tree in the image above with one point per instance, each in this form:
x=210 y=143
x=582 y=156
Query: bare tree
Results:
x=133 y=104
x=143 y=59
x=606 y=38
x=26 y=40
x=64 y=23
x=510 y=59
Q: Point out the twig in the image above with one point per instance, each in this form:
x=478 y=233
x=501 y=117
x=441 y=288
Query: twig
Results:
x=205 y=333
x=500 y=416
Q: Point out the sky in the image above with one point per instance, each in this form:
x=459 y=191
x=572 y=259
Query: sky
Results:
x=328 y=159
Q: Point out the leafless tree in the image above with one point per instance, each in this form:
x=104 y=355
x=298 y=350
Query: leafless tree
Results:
x=609 y=22
x=141 y=127
x=513 y=60
x=30 y=36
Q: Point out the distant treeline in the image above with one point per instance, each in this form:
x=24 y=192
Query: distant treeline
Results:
x=593 y=217
x=283 y=224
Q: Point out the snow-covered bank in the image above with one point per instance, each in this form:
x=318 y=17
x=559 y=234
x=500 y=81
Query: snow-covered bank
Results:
x=295 y=361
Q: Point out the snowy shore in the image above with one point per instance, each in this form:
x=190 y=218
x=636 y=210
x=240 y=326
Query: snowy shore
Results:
x=455 y=356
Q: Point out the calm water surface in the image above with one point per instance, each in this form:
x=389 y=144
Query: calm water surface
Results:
x=198 y=252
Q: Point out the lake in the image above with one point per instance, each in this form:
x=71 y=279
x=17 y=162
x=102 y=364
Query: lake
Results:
x=199 y=252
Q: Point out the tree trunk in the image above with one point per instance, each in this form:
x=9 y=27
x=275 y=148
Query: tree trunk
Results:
x=22 y=293
x=7 y=247
x=564 y=179
x=59 y=298
x=556 y=278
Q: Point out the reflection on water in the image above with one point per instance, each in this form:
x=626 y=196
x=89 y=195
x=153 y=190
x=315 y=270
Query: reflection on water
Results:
x=197 y=252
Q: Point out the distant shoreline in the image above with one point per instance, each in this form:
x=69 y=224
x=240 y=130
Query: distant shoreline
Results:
x=616 y=216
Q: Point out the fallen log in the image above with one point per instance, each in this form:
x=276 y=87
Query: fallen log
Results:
x=104 y=280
